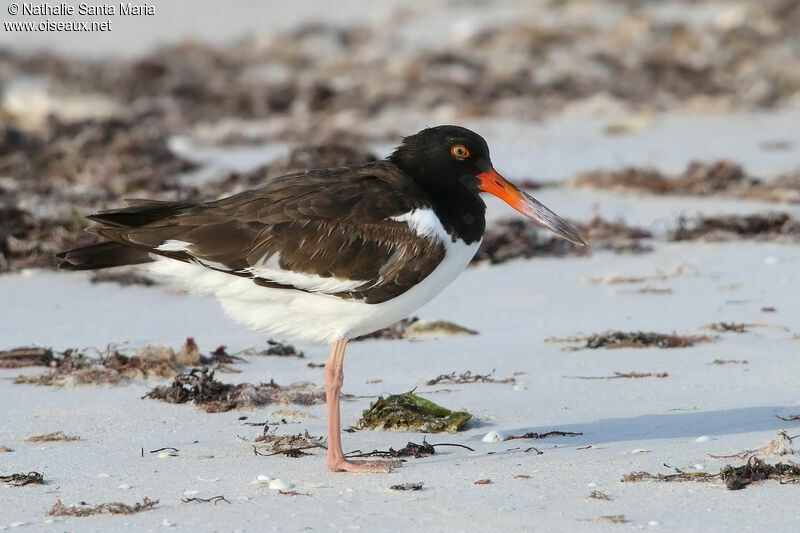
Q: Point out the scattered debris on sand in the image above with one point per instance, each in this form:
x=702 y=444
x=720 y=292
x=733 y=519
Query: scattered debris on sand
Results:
x=598 y=495
x=534 y=435
x=735 y=478
x=778 y=447
x=735 y=327
x=392 y=332
x=409 y=412
x=420 y=330
x=729 y=362
x=214 y=499
x=56 y=436
x=620 y=375
x=483 y=482
x=614 y=519
x=722 y=178
x=415 y=329
x=407 y=486
x=469 y=377
x=200 y=387
x=288 y=445
x=776 y=227
x=73 y=367
x=633 y=339
x=411 y=449
x=282 y=349
x=59 y=509
x=19 y=480
x=516 y=238
x=755 y=470
x=22 y=357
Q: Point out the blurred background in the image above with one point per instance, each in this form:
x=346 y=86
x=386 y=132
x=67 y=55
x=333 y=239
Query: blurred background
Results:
x=604 y=106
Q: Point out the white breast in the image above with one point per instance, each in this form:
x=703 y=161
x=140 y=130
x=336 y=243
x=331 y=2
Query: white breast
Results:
x=319 y=316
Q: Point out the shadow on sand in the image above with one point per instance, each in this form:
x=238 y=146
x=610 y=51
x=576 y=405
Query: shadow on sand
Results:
x=676 y=425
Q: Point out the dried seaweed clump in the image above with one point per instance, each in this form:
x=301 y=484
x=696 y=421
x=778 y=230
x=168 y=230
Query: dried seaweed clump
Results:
x=409 y=412
x=200 y=387
x=722 y=178
x=59 y=509
x=735 y=477
x=516 y=238
x=778 y=227
x=19 y=480
x=739 y=477
x=437 y=328
x=416 y=329
x=282 y=349
x=469 y=377
x=56 y=436
x=392 y=332
x=74 y=367
x=289 y=445
x=699 y=179
x=633 y=339
x=22 y=357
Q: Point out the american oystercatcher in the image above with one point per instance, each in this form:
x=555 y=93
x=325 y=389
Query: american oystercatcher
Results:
x=325 y=254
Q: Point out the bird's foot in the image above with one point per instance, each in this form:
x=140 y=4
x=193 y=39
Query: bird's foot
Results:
x=344 y=465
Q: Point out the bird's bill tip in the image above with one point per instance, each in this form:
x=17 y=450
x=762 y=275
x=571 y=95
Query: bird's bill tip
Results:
x=495 y=184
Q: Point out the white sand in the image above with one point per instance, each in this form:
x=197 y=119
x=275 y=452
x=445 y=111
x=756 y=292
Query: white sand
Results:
x=631 y=424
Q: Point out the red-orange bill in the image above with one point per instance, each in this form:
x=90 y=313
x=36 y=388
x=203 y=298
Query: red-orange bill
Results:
x=495 y=184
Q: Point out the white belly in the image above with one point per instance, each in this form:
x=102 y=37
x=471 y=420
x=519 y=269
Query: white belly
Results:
x=318 y=317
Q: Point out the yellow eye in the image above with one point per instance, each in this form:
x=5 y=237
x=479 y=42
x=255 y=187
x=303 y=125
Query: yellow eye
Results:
x=459 y=151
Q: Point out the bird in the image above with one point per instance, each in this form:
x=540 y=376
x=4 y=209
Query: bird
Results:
x=327 y=254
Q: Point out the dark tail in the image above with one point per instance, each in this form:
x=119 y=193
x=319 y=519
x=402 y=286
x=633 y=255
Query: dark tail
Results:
x=120 y=251
x=103 y=255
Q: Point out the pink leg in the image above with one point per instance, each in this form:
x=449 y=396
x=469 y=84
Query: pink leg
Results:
x=334 y=377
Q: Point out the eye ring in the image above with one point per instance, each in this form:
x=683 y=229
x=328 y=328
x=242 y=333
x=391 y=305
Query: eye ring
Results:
x=459 y=151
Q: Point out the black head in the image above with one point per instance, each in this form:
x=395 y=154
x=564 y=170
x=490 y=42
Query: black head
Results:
x=444 y=157
x=452 y=164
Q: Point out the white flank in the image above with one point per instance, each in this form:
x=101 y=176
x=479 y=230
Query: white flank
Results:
x=319 y=316
x=272 y=271
x=174 y=245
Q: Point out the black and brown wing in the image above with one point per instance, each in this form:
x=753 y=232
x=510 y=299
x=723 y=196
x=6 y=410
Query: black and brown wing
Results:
x=325 y=231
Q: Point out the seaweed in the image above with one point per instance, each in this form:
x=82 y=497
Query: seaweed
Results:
x=74 y=367
x=717 y=178
x=469 y=377
x=59 y=509
x=534 y=435
x=57 y=436
x=289 y=445
x=23 y=357
x=407 y=486
x=619 y=375
x=778 y=227
x=19 y=480
x=200 y=387
x=519 y=238
x=392 y=332
x=633 y=339
x=735 y=478
x=434 y=329
x=283 y=349
x=409 y=412
x=415 y=329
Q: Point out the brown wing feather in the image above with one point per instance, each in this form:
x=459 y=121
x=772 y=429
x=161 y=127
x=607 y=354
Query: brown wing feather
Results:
x=330 y=223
